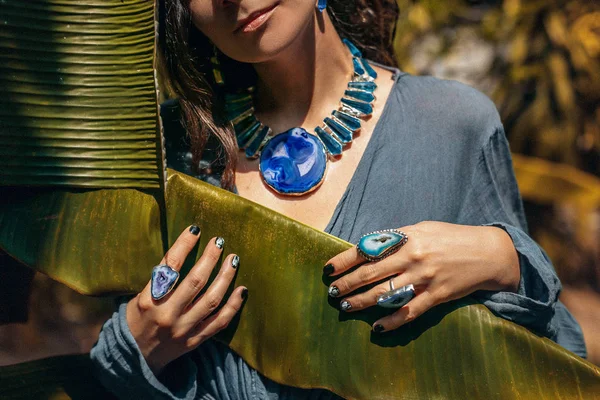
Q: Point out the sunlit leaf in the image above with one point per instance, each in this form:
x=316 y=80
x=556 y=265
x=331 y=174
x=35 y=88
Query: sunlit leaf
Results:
x=79 y=102
x=289 y=330
x=107 y=240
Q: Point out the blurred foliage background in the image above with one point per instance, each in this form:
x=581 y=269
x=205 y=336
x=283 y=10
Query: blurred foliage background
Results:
x=539 y=60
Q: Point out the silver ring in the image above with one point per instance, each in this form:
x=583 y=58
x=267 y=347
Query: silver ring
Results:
x=378 y=245
x=396 y=298
x=163 y=281
x=392 y=284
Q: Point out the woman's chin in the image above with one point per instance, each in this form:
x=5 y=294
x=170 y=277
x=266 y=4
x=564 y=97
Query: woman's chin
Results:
x=267 y=42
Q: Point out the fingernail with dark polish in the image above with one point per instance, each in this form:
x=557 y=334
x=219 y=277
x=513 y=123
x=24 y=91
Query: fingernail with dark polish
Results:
x=328 y=270
x=333 y=291
x=244 y=294
x=194 y=230
x=345 y=305
x=235 y=262
x=378 y=328
x=219 y=242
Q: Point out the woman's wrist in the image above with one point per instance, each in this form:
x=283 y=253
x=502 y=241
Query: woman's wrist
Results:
x=504 y=254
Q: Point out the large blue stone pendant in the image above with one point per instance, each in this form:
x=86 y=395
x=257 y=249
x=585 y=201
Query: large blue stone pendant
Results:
x=293 y=162
x=378 y=245
x=163 y=280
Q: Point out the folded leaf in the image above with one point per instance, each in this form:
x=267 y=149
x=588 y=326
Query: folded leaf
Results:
x=56 y=378
x=289 y=329
x=79 y=105
x=80 y=112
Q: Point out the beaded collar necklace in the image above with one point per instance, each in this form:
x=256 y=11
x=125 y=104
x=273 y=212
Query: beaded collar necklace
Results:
x=295 y=162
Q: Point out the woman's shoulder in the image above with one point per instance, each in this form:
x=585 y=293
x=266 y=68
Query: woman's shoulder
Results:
x=446 y=106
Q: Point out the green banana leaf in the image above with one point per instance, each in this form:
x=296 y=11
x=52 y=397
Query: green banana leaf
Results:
x=67 y=67
x=106 y=240
x=56 y=378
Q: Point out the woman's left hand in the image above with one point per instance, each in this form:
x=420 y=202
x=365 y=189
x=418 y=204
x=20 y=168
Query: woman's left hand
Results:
x=443 y=261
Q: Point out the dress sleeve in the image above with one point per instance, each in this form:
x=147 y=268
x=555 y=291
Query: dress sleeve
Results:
x=122 y=369
x=210 y=372
x=493 y=199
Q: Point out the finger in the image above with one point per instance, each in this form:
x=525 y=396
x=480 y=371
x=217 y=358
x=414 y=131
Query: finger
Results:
x=415 y=308
x=367 y=274
x=220 y=320
x=352 y=257
x=198 y=276
x=343 y=262
x=176 y=255
x=369 y=298
x=211 y=300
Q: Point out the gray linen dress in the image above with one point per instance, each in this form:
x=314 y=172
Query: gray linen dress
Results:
x=437 y=153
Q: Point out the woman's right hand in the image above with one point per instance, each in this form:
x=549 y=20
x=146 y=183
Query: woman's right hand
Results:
x=167 y=328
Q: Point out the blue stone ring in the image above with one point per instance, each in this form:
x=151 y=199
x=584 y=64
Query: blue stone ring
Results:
x=396 y=298
x=163 y=281
x=378 y=245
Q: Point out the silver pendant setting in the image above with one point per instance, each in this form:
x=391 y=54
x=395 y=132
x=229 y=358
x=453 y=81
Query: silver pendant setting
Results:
x=333 y=135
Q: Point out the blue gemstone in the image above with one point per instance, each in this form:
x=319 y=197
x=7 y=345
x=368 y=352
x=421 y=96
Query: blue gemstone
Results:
x=351 y=122
x=342 y=132
x=360 y=106
x=358 y=68
x=322 y=5
x=396 y=298
x=238 y=114
x=236 y=106
x=293 y=162
x=256 y=142
x=355 y=52
x=361 y=95
x=163 y=280
x=363 y=85
x=372 y=73
x=244 y=136
x=333 y=146
x=244 y=123
x=378 y=244
x=231 y=98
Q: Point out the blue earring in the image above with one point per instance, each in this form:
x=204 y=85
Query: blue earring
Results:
x=322 y=5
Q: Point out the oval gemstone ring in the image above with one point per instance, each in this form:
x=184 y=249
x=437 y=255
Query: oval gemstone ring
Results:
x=396 y=298
x=163 y=280
x=378 y=245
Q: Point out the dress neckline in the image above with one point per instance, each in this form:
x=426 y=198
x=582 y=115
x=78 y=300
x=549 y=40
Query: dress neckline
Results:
x=395 y=77
x=372 y=142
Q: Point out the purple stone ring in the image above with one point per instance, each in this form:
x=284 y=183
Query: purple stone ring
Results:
x=163 y=281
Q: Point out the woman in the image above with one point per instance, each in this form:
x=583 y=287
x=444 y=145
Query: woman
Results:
x=426 y=150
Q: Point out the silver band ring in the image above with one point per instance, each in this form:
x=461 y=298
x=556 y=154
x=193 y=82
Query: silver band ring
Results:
x=163 y=281
x=396 y=298
x=378 y=245
x=392 y=284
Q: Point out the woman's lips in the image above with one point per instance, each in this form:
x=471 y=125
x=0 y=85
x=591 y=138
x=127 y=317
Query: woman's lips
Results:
x=255 y=20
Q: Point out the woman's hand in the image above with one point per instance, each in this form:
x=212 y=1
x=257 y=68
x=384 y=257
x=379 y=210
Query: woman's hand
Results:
x=443 y=261
x=172 y=326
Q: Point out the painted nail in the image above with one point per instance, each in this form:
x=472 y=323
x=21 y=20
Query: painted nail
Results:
x=345 y=305
x=235 y=262
x=334 y=291
x=378 y=328
x=328 y=270
x=219 y=242
x=194 y=230
x=244 y=294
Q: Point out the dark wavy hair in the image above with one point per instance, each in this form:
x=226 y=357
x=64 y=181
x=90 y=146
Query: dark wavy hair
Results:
x=186 y=56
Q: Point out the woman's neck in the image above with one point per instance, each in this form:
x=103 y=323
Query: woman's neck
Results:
x=306 y=80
